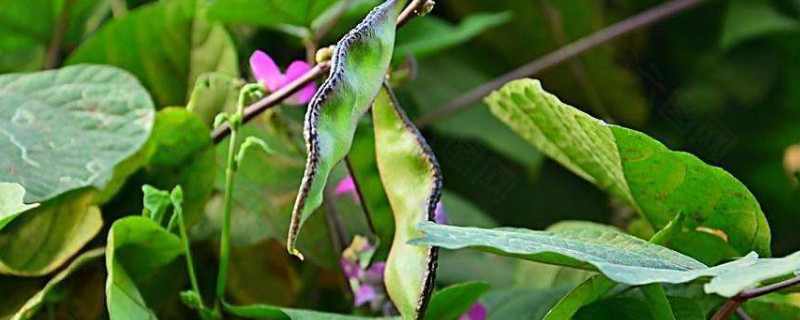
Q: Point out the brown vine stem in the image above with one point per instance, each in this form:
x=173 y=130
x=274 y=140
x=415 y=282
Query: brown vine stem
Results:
x=553 y=19
x=743 y=315
x=565 y=53
x=360 y=193
x=275 y=98
x=59 y=28
x=733 y=304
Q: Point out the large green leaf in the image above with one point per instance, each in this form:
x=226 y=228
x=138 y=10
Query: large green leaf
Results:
x=635 y=168
x=359 y=66
x=276 y=14
x=28 y=29
x=262 y=273
x=167 y=45
x=585 y=293
x=452 y=302
x=34 y=304
x=136 y=248
x=451 y=76
x=521 y=303
x=734 y=281
x=593 y=288
x=41 y=240
x=11 y=203
x=66 y=129
x=424 y=37
x=747 y=19
x=213 y=93
x=630 y=308
x=413 y=182
x=620 y=257
x=182 y=154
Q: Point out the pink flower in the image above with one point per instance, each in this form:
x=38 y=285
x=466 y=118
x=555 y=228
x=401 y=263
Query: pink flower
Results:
x=267 y=72
x=477 y=312
x=347 y=185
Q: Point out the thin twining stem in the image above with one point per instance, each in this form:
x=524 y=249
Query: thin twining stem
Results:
x=733 y=303
x=559 y=56
x=275 y=98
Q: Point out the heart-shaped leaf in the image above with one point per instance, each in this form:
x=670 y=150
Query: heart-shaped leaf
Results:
x=41 y=240
x=288 y=16
x=167 y=45
x=633 y=167
x=66 y=129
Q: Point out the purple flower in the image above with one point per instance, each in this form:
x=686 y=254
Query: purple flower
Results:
x=477 y=312
x=350 y=268
x=365 y=280
x=365 y=293
x=438 y=214
x=267 y=72
x=375 y=273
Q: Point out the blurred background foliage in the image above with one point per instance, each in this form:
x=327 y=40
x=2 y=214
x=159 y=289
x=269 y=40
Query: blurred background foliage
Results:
x=721 y=80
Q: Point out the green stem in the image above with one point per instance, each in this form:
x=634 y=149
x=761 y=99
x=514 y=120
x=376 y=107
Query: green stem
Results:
x=224 y=245
x=235 y=123
x=654 y=292
x=657 y=299
x=188 y=252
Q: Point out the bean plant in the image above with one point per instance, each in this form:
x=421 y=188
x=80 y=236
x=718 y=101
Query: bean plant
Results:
x=146 y=174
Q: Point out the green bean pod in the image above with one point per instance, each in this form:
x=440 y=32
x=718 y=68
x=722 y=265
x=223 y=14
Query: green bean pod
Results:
x=358 y=67
x=413 y=183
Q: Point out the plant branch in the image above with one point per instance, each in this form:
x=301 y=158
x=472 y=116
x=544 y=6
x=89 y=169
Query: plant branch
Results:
x=743 y=315
x=727 y=309
x=360 y=194
x=275 y=98
x=732 y=304
x=338 y=234
x=561 y=55
x=757 y=292
x=410 y=11
x=553 y=18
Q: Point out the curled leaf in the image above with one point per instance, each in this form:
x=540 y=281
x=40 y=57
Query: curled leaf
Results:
x=358 y=67
x=137 y=247
x=413 y=183
x=635 y=168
